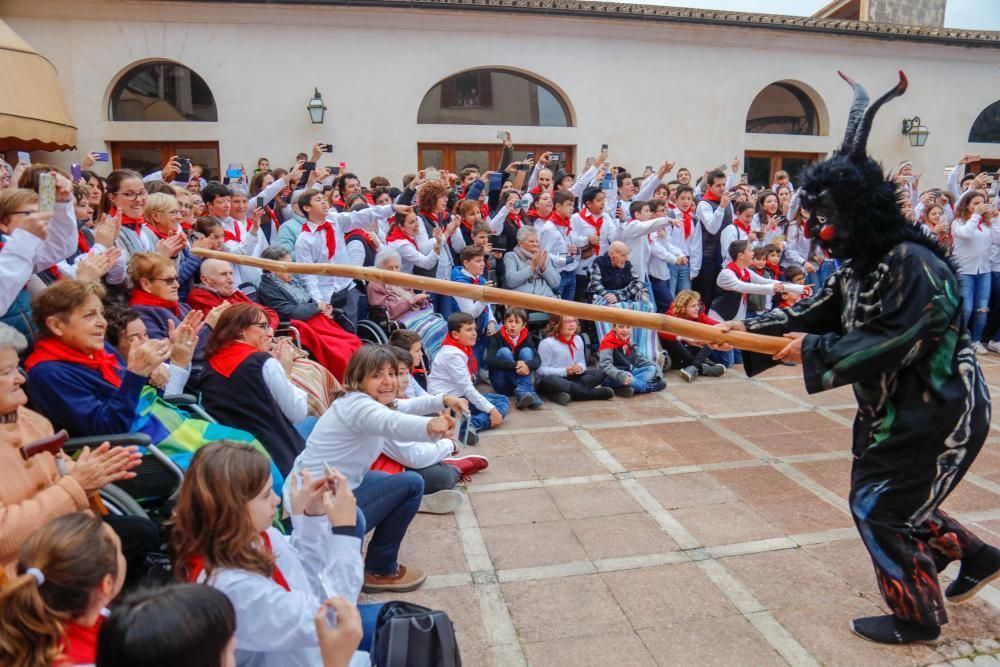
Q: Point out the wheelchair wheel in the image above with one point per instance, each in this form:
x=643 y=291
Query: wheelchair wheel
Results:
x=371 y=333
x=120 y=503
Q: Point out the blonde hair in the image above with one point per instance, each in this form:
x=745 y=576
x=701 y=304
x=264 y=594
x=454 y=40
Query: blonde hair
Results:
x=684 y=299
x=147 y=265
x=160 y=202
x=13 y=199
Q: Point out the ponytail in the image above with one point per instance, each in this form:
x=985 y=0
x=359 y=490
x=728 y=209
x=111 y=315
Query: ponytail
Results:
x=59 y=568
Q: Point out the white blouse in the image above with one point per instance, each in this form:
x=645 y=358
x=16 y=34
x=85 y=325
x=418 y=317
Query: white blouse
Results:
x=556 y=356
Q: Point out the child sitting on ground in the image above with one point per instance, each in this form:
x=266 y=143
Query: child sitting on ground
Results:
x=692 y=358
x=409 y=340
x=511 y=360
x=626 y=370
x=454 y=371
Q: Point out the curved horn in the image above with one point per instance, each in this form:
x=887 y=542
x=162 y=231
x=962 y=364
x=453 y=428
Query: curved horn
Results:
x=861 y=138
x=857 y=111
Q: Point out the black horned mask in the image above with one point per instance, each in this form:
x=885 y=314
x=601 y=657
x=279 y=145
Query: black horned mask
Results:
x=854 y=207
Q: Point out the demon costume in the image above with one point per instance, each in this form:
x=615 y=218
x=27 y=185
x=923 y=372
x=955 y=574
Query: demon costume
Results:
x=889 y=322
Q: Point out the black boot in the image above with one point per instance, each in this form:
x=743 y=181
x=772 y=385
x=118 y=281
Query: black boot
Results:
x=977 y=570
x=891 y=630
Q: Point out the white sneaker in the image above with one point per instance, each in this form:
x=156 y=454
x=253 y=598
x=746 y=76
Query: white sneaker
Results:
x=978 y=348
x=442 y=502
x=993 y=346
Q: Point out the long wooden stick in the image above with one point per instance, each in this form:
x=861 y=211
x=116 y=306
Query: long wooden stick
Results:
x=586 y=311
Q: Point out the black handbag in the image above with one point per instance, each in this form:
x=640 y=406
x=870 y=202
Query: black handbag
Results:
x=408 y=635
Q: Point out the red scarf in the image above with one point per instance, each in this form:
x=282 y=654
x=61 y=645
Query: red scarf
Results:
x=339 y=203
x=485 y=210
x=515 y=217
x=514 y=344
x=741 y=225
x=430 y=216
x=81 y=242
x=688 y=215
x=157 y=233
x=743 y=275
x=361 y=235
x=80 y=643
x=331 y=238
x=571 y=344
x=396 y=233
x=775 y=269
x=52 y=349
x=230 y=356
x=135 y=224
x=273 y=216
x=236 y=234
x=611 y=341
x=141 y=297
x=591 y=220
x=534 y=214
x=473 y=365
x=710 y=196
x=197 y=566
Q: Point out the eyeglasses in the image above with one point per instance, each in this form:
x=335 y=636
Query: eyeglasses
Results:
x=177 y=213
x=169 y=280
x=132 y=196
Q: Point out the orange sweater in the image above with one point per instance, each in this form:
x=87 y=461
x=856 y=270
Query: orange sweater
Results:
x=31 y=492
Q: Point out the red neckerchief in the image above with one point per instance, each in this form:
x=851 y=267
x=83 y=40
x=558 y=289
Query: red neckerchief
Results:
x=80 y=643
x=51 y=349
x=537 y=216
x=230 y=356
x=591 y=220
x=485 y=210
x=450 y=341
x=360 y=234
x=571 y=344
x=156 y=232
x=688 y=216
x=466 y=225
x=775 y=269
x=135 y=224
x=396 y=233
x=784 y=303
x=612 y=342
x=710 y=196
x=560 y=221
x=515 y=217
x=141 y=297
x=273 y=216
x=514 y=344
x=81 y=242
x=433 y=217
x=743 y=275
x=236 y=234
x=745 y=227
x=197 y=565
x=331 y=238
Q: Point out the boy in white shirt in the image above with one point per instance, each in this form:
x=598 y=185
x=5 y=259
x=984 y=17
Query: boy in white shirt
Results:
x=455 y=368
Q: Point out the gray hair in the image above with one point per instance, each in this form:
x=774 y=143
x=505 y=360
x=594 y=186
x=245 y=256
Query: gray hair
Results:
x=524 y=232
x=275 y=253
x=239 y=191
x=385 y=254
x=11 y=337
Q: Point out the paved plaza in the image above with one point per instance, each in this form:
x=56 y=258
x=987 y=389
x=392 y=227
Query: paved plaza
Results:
x=705 y=525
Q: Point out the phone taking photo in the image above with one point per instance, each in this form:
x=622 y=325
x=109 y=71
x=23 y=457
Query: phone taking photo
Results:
x=307 y=168
x=76 y=173
x=24 y=157
x=46 y=192
x=555 y=157
x=326 y=148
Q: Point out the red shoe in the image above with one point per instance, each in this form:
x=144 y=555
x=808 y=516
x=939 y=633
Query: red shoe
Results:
x=468 y=465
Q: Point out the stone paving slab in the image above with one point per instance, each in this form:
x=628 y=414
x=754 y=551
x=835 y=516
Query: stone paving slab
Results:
x=705 y=525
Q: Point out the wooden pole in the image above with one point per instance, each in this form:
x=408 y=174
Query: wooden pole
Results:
x=693 y=330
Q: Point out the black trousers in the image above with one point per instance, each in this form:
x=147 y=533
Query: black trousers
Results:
x=347 y=300
x=580 y=388
x=683 y=355
x=704 y=283
x=438 y=477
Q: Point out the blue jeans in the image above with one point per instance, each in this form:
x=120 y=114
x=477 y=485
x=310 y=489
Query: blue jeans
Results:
x=388 y=504
x=641 y=379
x=662 y=293
x=481 y=420
x=510 y=383
x=821 y=275
x=680 y=279
x=975 y=302
x=567 y=285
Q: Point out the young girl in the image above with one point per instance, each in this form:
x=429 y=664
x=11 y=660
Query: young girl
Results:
x=222 y=535
x=69 y=570
x=933 y=220
x=693 y=359
x=563 y=375
x=972 y=236
x=767 y=221
x=350 y=436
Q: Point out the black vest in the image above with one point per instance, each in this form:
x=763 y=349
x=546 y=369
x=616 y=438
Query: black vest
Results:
x=727 y=303
x=243 y=401
x=612 y=277
x=710 y=244
x=354 y=236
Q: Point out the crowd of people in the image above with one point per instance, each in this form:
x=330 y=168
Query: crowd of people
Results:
x=308 y=438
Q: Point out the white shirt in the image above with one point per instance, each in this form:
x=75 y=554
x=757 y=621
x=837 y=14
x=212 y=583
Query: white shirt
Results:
x=662 y=253
x=555 y=356
x=580 y=231
x=797 y=247
x=292 y=400
x=554 y=240
x=419 y=454
x=473 y=307
x=690 y=247
x=728 y=235
x=971 y=245
x=712 y=220
x=730 y=282
x=311 y=247
x=450 y=375
x=351 y=433
x=275 y=627
x=635 y=234
x=410 y=256
x=24 y=253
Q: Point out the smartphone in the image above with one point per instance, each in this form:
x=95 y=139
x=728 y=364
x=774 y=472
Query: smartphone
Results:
x=335 y=171
x=432 y=175
x=501 y=135
x=522 y=167
x=307 y=168
x=326 y=148
x=462 y=427
x=609 y=182
x=604 y=148
x=529 y=156
x=234 y=170
x=518 y=204
x=260 y=202
x=23 y=157
x=496 y=180
x=184 y=175
x=75 y=172
x=649 y=169
x=744 y=178
x=100 y=157
x=499 y=242
x=555 y=157
x=46 y=192
x=328 y=592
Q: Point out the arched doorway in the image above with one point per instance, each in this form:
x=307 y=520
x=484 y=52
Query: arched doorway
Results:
x=788 y=108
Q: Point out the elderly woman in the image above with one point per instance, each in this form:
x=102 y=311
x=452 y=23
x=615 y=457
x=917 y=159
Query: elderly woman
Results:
x=328 y=342
x=411 y=309
x=156 y=297
x=162 y=234
x=527 y=268
x=33 y=492
x=248 y=384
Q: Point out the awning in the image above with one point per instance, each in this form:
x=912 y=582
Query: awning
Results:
x=33 y=113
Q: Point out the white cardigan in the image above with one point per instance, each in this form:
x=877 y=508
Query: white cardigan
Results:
x=555 y=356
x=274 y=627
x=971 y=245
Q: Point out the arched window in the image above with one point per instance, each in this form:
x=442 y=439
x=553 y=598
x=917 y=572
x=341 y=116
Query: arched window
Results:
x=162 y=91
x=782 y=108
x=986 y=129
x=494 y=97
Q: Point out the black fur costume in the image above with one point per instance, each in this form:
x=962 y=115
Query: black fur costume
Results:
x=889 y=322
